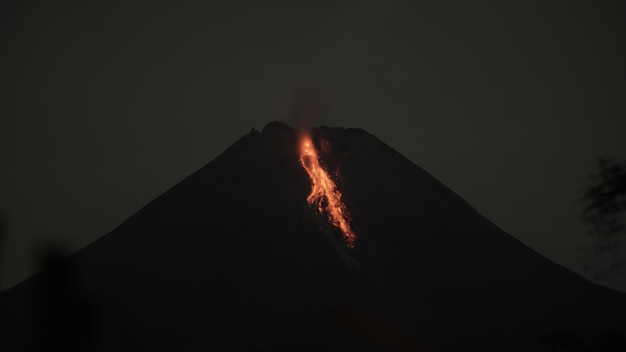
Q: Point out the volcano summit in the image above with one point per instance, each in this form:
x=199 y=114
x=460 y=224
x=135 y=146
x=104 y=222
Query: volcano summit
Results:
x=240 y=257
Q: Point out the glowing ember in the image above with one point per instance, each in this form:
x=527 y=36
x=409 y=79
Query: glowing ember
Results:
x=324 y=194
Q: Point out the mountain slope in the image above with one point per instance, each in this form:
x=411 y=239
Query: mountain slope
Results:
x=233 y=258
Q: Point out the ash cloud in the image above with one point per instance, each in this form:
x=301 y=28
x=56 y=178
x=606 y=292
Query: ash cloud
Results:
x=309 y=108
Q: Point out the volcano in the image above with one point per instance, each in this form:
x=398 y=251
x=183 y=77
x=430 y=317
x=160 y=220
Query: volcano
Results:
x=234 y=258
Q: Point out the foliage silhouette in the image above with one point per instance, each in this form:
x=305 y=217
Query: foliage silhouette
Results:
x=604 y=213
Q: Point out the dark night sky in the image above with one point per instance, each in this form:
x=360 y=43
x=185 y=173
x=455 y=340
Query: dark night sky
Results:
x=107 y=105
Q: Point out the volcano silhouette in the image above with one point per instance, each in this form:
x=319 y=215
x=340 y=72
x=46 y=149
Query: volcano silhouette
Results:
x=234 y=259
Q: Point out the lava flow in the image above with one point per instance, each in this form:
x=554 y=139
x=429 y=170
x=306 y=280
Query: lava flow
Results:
x=324 y=194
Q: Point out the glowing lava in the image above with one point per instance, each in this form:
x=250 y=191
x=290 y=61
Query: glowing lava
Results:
x=324 y=194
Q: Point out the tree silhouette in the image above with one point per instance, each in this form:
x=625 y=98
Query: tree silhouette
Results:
x=604 y=213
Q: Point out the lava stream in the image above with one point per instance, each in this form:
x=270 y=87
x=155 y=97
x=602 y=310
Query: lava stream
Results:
x=324 y=194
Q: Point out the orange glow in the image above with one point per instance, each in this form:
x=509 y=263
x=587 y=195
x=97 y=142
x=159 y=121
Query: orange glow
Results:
x=324 y=195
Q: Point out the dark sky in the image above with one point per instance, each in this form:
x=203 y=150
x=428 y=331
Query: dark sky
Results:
x=106 y=105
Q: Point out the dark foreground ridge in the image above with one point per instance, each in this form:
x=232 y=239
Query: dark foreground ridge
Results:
x=232 y=258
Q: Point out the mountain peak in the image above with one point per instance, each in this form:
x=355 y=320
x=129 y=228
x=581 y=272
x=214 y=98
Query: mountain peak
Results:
x=276 y=126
